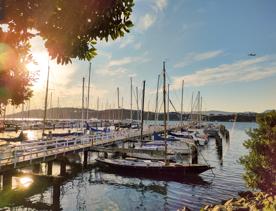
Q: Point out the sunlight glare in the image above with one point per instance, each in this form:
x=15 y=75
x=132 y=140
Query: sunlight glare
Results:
x=30 y=135
x=25 y=181
x=39 y=69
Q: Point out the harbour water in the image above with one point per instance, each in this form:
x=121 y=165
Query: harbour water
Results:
x=93 y=189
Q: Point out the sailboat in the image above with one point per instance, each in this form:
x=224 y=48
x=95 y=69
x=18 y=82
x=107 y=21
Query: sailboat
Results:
x=148 y=167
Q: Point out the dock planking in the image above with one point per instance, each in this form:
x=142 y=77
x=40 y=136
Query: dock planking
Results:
x=48 y=150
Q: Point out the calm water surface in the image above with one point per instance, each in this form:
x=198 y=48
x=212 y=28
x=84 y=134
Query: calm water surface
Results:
x=93 y=189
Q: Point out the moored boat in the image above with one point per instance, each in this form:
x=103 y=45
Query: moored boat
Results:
x=149 y=167
x=152 y=167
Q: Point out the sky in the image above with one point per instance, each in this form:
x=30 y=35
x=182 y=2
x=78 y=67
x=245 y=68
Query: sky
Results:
x=204 y=43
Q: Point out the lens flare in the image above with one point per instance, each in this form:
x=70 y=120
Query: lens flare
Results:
x=25 y=181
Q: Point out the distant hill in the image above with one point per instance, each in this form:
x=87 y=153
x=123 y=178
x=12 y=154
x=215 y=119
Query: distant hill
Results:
x=76 y=113
x=212 y=112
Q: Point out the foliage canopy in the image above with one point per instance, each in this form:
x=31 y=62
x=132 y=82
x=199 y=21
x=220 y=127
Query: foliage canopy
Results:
x=260 y=163
x=70 y=29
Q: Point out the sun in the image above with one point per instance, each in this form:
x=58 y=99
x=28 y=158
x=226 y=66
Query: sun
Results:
x=39 y=69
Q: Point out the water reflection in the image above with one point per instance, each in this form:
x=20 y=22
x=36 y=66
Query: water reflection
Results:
x=188 y=179
x=78 y=180
x=31 y=134
x=25 y=182
x=99 y=189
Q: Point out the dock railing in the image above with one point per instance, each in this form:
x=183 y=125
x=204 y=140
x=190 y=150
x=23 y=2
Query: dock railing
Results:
x=46 y=148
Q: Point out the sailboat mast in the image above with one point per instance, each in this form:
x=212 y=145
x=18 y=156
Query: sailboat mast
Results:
x=51 y=106
x=131 y=98
x=165 y=113
x=118 y=97
x=98 y=107
x=168 y=106
x=156 y=102
x=46 y=99
x=148 y=110
x=58 y=109
x=192 y=106
x=182 y=91
x=118 y=101
x=82 y=106
x=122 y=111
x=142 y=115
x=137 y=102
x=88 y=92
x=200 y=108
x=29 y=107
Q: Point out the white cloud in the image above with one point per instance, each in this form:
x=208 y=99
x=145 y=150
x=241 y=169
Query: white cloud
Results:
x=124 y=61
x=149 y=18
x=146 y=21
x=196 y=57
x=243 y=70
x=128 y=40
x=160 y=4
x=118 y=71
x=116 y=67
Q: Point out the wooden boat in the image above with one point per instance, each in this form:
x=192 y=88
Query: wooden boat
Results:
x=192 y=179
x=20 y=137
x=151 y=167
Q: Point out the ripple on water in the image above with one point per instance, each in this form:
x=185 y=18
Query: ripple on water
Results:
x=97 y=190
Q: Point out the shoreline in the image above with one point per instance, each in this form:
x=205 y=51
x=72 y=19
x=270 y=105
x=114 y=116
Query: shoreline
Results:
x=246 y=201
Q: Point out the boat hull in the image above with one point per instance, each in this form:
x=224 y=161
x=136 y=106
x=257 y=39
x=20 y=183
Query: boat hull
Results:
x=170 y=170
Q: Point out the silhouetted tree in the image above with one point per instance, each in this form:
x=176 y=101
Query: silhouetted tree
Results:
x=260 y=163
x=70 y=29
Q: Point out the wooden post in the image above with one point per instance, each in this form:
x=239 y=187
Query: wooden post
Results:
x=56 y=194
x=36 y=168
x=194 y=155
x=7 y=180
x=85 y=155
x=62 y=168
x=49 y=168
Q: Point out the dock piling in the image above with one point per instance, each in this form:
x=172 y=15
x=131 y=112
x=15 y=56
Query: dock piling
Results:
x=49 y=168
x=62 y=168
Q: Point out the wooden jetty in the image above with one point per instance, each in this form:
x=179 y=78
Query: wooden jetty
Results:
x=46 y=151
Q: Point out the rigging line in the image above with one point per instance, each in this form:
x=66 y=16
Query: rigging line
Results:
x=172 y=105
x=160 y=108
x=173 y=91
x=206 y=162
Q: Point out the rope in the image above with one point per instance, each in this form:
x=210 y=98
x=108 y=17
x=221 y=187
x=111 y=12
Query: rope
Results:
x=207 y=163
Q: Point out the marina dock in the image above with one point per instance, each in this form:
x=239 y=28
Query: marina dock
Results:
x=48 y=150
